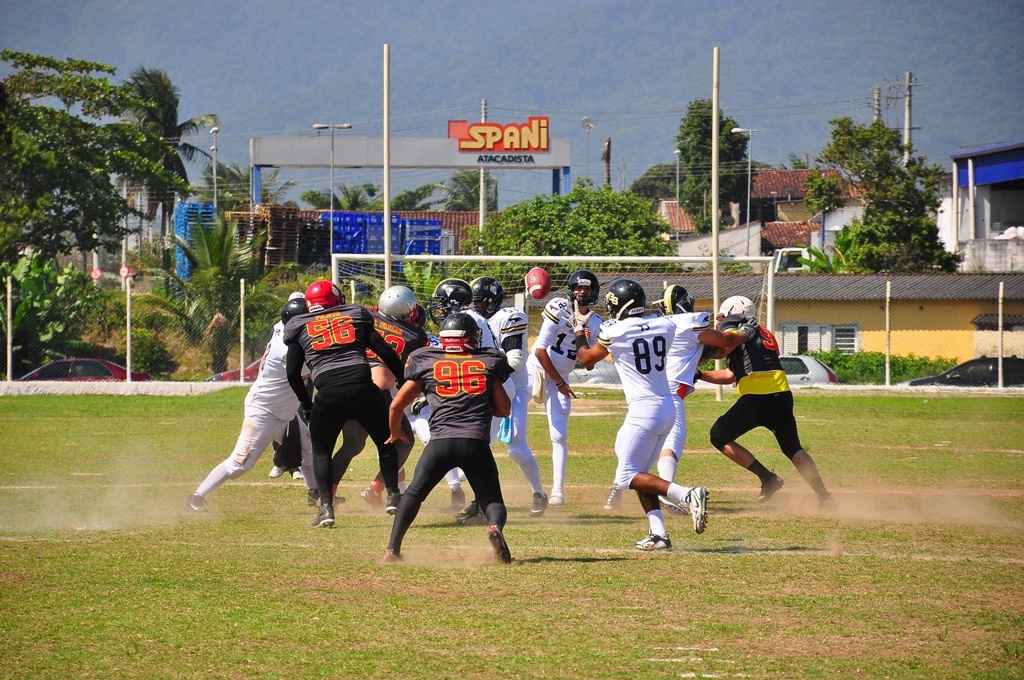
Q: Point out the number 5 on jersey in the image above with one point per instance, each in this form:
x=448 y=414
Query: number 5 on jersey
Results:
x=329 y=330
x=460 y=376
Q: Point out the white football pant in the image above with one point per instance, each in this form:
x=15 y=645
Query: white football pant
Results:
x=558 y=407
x=638 y=441
x=518 y=449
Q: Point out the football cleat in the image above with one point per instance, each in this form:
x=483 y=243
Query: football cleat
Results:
x=498 y=544
x=651 y=542
x=372 y=497
x=391 y=557
x=391 y=507
x=195 y=503
x=297 y=474
x=325 y=517
x=276 y=472
x=614 y=499
x=674 y=508
x=540 y=504
x=312 y=497
x=556 y=500
x=699 y=508
x=827 y=503
x=769 y=488
x=471 y=514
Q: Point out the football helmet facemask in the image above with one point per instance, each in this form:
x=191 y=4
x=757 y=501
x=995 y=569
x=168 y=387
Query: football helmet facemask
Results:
x=676 y=300
x=459 y=332
x=583 y=285
x=449 y=296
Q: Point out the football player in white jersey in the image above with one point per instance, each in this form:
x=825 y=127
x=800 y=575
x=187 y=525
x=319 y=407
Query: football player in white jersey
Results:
x=553 y=356
x=639 y=346
x=270 y=406
x=509 y=326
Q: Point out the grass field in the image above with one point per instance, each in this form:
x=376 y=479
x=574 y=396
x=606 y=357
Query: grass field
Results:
x=917 y=573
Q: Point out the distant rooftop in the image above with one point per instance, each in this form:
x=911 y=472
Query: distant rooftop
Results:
x=987 y=149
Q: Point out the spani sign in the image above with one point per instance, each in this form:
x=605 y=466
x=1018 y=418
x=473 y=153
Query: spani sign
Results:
x=496 y=143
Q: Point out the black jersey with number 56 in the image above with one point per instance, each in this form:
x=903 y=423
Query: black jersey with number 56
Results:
x=458 y=389
x=332 y=339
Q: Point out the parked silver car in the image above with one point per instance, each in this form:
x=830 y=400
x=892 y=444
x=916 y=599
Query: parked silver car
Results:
x=804 y=370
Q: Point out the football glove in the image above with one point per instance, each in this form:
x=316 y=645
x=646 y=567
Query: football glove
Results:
x=579 y=320
x=418 y=405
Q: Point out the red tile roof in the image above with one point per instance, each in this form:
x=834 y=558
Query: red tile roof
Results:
x=776 y=235
x=779 y=184
x=677 y=217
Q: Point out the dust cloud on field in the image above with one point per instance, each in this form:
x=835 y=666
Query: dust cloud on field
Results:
x=115 y=494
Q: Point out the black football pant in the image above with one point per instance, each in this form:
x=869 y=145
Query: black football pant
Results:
x=441 y=455
x=353 y=440
x=333 y=406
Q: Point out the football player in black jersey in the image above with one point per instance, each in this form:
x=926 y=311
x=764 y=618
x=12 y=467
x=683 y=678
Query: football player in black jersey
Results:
x=765 y=401
x=333 y=339
x=463 y=384
x=394 y=320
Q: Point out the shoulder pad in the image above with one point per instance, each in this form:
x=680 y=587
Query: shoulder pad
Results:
x=515 y=321
x=558 y=311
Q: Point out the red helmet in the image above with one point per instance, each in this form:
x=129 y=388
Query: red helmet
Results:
x=322 y=294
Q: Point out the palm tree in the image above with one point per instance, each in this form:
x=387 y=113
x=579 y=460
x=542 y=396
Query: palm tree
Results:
x=205 y=308
x=353 y=197
x=233 y=187
x=159 y=115
x=463 y=189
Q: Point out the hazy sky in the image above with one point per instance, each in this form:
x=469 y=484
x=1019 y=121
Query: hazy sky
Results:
x=787 y=68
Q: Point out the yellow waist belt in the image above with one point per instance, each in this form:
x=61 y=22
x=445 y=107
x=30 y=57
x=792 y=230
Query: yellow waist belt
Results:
x=763 y=382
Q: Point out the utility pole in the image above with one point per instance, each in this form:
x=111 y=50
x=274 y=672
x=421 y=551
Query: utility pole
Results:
x=606 y=156
x=483 y=173
x=908 y=95
x=876 y=104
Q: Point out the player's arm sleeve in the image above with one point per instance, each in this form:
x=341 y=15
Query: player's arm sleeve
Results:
x=513 y=348
x=294 y=361
x=387 y=354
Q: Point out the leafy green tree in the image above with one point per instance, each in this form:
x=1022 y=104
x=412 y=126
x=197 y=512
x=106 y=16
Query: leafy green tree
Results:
x=157 y=113
x=52 y=307
x=56 y=193
x=586 y=221
x=898 y=232
x=694 y=143
x=463 y=191
x=205 y=308
x=233 y=187
x=358 y=197
x=796 y=162
x=658 y=183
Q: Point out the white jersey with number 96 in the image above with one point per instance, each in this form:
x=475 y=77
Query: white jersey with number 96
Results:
x=639 y=347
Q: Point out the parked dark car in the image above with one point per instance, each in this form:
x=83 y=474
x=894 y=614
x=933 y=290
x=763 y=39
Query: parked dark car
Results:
x=981 y=372
x=83 y=370
x=252 y=371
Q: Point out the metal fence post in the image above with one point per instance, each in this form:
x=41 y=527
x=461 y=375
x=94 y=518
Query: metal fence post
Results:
x=128 y=327
x=888 y=334
x=999 y=362
x=241 y=330
x=10 y=330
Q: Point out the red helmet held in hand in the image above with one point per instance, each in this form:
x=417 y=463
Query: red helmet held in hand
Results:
x=322 y=294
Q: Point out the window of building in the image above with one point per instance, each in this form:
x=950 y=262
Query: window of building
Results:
x=798 y=338
x=844 y=339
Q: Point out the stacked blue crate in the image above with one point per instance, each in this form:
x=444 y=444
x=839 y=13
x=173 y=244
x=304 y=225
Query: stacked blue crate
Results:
x=422 y=237
x=186 y=216
x=360 y=232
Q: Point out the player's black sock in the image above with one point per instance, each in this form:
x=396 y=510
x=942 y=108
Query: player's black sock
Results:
x=496 y=514
x=763 y=473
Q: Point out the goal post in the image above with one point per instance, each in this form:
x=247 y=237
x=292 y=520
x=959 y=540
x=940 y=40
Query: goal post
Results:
x=362 y=275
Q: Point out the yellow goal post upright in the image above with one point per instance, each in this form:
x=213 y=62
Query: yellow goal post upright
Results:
x=361 y=276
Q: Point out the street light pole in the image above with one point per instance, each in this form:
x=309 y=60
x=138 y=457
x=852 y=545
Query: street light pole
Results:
x=750 y=144
x=677 y=152
x=332 y=127
x=213 y=131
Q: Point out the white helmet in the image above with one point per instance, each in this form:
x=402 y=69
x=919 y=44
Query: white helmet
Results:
x=397 y=302
x=740 y=306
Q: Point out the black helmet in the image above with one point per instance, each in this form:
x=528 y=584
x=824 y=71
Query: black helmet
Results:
x=449 y=295
x=293 y=307
x=586 y=279
x=487 y=295
x=676 y=300
x=459 y=331
x=625 y=298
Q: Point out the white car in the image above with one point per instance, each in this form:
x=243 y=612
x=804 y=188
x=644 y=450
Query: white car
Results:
x=804 y=370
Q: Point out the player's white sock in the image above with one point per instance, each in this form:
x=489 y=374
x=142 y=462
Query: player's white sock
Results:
x=528 y=464
x=452 y=477
x=218 y=475
x=677 y=494
x=657 y=522
x=667 y=467
x=559 y=454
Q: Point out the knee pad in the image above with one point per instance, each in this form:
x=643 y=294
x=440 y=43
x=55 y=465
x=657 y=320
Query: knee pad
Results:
x=719 y=437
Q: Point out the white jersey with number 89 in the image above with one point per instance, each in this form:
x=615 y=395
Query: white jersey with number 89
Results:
x=640 y=349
